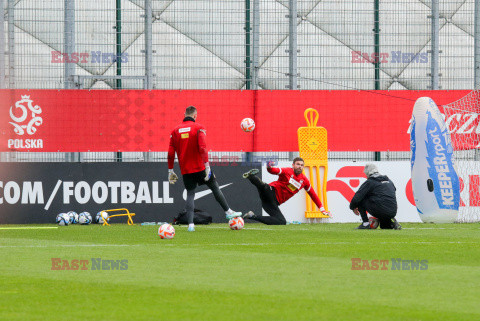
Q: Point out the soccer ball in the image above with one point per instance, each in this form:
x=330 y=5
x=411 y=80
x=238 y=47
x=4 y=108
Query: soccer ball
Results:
x=84 y=218
x=73 y=217
x=62 y=219
x=236 y=223
x=247 y=125
x=166 y=231
x=102 y=216
x=373 y=221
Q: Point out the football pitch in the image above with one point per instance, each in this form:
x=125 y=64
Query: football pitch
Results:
x=293 y=272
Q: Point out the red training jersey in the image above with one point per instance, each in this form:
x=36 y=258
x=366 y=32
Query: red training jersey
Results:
x=289 y=184
x=188 y=141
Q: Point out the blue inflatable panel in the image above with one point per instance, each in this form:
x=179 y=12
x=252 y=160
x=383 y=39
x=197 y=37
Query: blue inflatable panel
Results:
x=435 y=182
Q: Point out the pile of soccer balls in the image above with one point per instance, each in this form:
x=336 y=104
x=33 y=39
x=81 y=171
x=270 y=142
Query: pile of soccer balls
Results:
x=84 y=218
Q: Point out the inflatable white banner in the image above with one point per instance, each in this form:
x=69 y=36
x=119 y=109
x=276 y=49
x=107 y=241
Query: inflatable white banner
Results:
x=436 y=187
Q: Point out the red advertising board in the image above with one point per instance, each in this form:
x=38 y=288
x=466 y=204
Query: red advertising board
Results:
x=141 y=120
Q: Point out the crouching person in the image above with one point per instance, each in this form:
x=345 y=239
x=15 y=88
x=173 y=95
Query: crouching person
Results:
x=377 y=197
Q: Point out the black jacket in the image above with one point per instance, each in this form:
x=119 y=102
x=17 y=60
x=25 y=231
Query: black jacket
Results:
x=378 y=189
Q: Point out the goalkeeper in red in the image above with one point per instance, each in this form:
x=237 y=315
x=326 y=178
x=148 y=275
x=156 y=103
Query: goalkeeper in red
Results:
x=290 y=181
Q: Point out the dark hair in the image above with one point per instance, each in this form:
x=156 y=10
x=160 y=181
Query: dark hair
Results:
x=296 y=159
x=190 y=110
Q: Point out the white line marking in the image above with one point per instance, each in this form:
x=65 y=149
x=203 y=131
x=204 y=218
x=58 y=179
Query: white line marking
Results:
x=247 y=228
x=70 y=245
x=27 y=228
x=52 y=196
x=427 y=228
x=313 y=243
x=219 y=244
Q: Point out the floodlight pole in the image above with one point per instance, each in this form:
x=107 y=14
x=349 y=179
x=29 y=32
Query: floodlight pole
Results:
x=118 y=47
x=292 y=46
x=476 y=40
x=69 y=42
x=435 y=44
x=69 y=49
x=255 y=42
x=11 y=44
x=118 y=42
x=248 y=32
x=148 y=45
x=376 y=36
x=2 y=45
x=148 y=82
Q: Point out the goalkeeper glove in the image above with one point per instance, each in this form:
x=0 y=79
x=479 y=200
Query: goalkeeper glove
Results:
x=271 y=164
x=208 y=172
x=172 y=177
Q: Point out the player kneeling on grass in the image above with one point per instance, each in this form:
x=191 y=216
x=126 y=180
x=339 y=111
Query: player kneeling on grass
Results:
x=377 y=197
x=290 y=181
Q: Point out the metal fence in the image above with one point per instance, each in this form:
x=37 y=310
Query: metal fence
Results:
x=214 y=157
x=231 y=44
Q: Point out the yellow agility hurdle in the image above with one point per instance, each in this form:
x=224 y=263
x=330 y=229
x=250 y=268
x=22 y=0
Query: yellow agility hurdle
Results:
x=127 y=213
x=313 y=148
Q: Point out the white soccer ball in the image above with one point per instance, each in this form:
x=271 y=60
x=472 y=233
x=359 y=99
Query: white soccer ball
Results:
x=236 y=223
x=166 y=231
x=247 y=125
x=102 y=216
x=84 y=218
x=73 y=217
x=62 y=219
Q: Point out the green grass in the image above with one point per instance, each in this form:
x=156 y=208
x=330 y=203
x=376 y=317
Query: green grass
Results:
x=293 y=272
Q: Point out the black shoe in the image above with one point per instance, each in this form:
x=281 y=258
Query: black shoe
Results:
x=395 y=225
x=250 y=172
x=363 y=227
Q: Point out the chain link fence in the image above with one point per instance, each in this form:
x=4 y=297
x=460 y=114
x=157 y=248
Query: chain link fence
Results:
x=214 y=157
x=203 y=44
x=229 y=44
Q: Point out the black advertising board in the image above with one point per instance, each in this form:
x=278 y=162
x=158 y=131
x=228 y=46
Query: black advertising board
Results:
x=37 y=192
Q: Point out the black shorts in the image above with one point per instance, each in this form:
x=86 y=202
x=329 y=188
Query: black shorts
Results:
x=192 y=180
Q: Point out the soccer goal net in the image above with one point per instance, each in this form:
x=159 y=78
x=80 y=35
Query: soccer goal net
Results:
x=462 y=119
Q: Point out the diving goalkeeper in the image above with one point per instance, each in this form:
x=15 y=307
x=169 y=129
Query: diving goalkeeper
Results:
x=290 y=181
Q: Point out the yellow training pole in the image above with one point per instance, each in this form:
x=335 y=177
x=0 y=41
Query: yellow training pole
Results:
x=313 y=148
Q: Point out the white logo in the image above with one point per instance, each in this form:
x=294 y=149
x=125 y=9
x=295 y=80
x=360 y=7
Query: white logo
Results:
x=202 y=193
x=295 y=183
x=29 y=126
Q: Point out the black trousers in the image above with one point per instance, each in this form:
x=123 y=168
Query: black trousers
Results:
x=384 y=218
x=269 y=203
x=191 y=181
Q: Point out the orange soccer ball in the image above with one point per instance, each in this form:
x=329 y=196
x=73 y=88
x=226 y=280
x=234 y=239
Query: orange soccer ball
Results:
x=247 y=125
x=236 y=223
x=166 y=231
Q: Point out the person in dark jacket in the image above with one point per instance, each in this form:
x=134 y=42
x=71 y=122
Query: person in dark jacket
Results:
x=377 y=197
